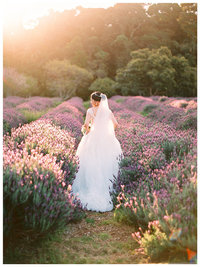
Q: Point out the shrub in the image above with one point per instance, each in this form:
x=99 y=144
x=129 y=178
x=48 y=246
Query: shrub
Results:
x=13 y=101
x=171 y=235
x=184 y=105
x=68 y=117
x=19 y=84
x=153 y=158
x=32 y=115
x=148 y=108
x=188 y=122
x=64 y=79
x=175 y=149
x=130 y=173
x=35 y=196
x=163 y=98
x=12 y=118
x=156 y=244
x=173 y=223
x=104 y=85
x=6 y=127
x=133 y=209
x=39 y=164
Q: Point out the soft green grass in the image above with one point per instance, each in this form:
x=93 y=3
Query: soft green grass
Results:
x=89 y=220
x=92 y=241
x=32 y=115
x=120 y=100
x=148 y=109
x=98 y=239
x=86 y=104
x=104 y=236
x=56 y=103
x=40 y=250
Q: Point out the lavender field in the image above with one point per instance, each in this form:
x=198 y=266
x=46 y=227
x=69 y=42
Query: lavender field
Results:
x=155 y=193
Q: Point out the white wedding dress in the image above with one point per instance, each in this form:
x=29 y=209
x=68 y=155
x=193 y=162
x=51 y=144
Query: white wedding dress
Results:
x=99 y=154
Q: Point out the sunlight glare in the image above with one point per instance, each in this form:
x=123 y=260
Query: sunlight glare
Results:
x=27 y=12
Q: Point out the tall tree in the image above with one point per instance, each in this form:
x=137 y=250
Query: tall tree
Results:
x=156 y=72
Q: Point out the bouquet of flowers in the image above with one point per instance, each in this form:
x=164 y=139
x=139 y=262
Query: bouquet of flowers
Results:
x=83 y=129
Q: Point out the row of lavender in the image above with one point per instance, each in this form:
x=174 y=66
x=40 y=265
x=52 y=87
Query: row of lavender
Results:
x=39 y=166
x=179 y=113
x=156 y=189
x=14 y=108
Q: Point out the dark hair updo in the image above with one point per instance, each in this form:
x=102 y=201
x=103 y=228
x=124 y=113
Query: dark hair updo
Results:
x=96 y=96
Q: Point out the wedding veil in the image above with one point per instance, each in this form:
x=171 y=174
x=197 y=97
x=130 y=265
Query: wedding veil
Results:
x=103 y=127
x=99 y=152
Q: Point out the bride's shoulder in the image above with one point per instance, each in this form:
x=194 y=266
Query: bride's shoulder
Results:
x=89 y=109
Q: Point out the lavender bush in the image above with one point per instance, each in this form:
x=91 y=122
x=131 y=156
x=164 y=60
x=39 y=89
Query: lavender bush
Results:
x=157 y=179
x=13 y=101
x=39 y=166
x=69 y=117
x=36 y=103
x=35 y=195
x=12 y=118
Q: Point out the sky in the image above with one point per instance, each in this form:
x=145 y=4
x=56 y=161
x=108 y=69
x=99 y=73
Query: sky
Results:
x=28 y=11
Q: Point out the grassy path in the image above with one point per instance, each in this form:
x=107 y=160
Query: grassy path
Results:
x=96 y=239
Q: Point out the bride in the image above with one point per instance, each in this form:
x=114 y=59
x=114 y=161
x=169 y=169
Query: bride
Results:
x=99 y=153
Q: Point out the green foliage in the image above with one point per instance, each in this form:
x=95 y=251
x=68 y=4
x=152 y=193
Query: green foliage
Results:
x=185 y=77
x=156 y=72
x=163 y=98
x=166 y=229
x=159 y=239
x=75 y=52
x=100 y=41
x=19 y=84
x=121 y=48
x=64 y=79
x=99 y=64
x=104 y=85
x=32 y=115
x=133 y=211
x=190 y=122
x=35 y=180
x=176 y=149
x=86 y=104
x=184 y=105
x=6 y=127
x=121 y=100
x=123 y=215
x=34 y=205
x=148 y=108
x=155 y=245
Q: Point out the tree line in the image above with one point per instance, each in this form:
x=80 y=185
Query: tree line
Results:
x=128 y=49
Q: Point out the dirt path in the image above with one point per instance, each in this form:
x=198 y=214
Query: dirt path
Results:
x=96 y=239
x=99 y=239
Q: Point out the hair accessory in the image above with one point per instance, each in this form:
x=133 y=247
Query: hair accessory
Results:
x=103 y=96
x=97 y=95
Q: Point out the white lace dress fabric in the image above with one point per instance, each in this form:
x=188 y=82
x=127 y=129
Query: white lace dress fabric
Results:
x=98 y=162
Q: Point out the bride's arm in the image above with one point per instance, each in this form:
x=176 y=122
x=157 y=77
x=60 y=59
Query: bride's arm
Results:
x=116 y=124
x=87 y=120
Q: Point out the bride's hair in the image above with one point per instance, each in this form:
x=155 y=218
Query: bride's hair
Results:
x=96 y=96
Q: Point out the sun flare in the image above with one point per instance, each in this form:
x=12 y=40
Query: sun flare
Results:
x=27 y=13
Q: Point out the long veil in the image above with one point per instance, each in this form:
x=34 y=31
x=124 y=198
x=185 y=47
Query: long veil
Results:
x=99 y=152
x=103 y=126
